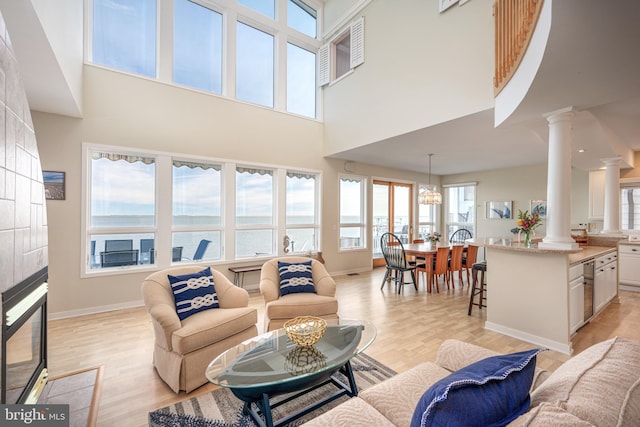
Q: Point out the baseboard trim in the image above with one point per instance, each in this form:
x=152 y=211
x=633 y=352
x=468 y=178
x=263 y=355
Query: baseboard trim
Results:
x=95 y=310
x=534 y=339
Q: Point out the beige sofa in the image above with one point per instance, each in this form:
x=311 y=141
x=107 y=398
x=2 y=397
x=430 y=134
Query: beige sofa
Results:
x=279 y=309
x=183 y=350
x=598 y=387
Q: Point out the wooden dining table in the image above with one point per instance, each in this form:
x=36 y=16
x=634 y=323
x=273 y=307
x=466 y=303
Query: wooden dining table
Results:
x=427 y=251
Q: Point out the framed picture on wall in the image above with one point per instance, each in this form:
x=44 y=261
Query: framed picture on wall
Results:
x=500 y=210
x=539 y=206
x=53 y=185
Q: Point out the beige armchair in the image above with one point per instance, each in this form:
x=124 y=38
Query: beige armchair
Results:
x=183 y=350
x=279 y=309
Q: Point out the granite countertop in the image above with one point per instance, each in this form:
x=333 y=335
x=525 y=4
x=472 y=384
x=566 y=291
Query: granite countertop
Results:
x=589 y=252
x=575 y=255
x=506 y=243
x=627 y=242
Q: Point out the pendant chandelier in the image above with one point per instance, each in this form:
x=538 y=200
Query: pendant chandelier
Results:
x=430 y=196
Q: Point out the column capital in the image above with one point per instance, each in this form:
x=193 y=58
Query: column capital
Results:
x=562 y=114
x=611 y=161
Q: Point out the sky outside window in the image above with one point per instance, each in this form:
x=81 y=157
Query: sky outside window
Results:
x=265 y=7
x=124 y=35
x=301 y=17
x=197 y=47
x=301 y=81
x=114 y=201
x=196 y=194
x=254 y=71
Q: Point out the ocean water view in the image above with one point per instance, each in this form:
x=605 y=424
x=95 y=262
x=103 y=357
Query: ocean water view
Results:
x=250 y=243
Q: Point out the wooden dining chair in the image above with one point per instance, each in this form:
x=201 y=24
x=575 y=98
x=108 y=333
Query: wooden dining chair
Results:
x=441 y=266
x=414 y=260
x=469 y=259
x=455 y=263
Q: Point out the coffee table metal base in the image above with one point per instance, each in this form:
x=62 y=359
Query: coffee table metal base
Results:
x=262 y=413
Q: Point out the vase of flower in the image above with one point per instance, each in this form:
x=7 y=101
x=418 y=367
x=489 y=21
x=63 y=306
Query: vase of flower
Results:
x=526 y=224
x=434 y=237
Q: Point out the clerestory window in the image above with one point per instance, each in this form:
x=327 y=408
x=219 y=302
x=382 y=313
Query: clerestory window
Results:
x=258 y=51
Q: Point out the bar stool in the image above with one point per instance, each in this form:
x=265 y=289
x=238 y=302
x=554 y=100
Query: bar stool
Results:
x=478 y=289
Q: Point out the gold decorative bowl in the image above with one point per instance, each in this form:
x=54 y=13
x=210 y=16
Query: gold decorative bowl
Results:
x=305 y=330
x=303 y=360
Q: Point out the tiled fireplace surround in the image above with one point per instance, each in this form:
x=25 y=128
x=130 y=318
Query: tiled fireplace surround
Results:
x=23 y=213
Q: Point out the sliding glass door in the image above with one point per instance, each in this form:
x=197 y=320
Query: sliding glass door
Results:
x=392 y=208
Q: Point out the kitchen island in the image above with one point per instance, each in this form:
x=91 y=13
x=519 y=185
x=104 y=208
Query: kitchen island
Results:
x=528 y=290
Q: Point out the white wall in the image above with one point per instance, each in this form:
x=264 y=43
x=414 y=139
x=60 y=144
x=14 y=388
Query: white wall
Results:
x=520 y=185
x=412 y=78
x=123 y=110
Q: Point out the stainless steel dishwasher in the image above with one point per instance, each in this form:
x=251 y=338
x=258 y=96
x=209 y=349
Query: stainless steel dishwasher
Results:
x=588 y=270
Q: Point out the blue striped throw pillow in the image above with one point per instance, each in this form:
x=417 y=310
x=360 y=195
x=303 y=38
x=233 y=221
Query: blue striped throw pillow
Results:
x=194 y=292
x=295 y=277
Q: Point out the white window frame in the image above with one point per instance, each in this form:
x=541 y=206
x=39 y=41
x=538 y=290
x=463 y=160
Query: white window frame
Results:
x=202 y=228
x=164 y=228
x=363 y=216
x=460 y=224
x=626 y=183
x=283 y=211
x=232 y=11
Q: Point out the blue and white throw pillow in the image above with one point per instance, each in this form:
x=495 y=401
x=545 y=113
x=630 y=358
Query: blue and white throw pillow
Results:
x=491 y=392
x=194 y=292
x=295 y=277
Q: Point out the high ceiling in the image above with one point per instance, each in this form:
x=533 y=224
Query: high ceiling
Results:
x=598 y=78
x=472 y=143
x=589 y=61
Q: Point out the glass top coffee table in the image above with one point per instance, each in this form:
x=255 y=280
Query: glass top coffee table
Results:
x=270 y=365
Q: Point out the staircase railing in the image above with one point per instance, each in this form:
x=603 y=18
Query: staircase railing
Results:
x=515 y=21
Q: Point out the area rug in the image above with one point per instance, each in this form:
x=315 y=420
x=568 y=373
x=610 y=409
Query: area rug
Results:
x=220 y=408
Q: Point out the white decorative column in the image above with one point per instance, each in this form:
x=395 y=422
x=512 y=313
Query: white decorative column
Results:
x=559 y=182
x=611 y=196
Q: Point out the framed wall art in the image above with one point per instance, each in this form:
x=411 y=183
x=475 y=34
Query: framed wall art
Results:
x=53 y=185
x=539 y=206
x=500 y=210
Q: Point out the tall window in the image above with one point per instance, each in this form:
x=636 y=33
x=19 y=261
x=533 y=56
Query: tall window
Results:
x=301 y=79
x=426 y=220
x=460 y=208
x=254 y=212
x=124 y=35
x=630 y=206
x=197 y=46
x=197 y=211
x=301 y=212
x=121 y=217
x=352 y=213
x=254 y=69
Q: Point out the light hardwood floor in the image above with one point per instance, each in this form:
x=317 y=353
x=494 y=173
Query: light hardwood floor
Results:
x=411 y=325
